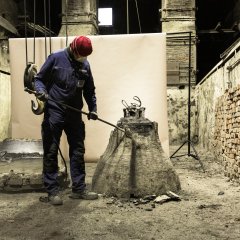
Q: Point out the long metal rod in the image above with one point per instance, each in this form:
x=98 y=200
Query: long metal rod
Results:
x=49 y=25
x=189 y=93
x=75 y=109
x=66 y=20
x=45 y=26
x=127 y=18
x=139 y=23
x=34 y=31
x=25 y=28
x=4 y=72
x=189 y=113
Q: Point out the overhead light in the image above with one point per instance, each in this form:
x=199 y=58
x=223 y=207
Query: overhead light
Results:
x=105 y=16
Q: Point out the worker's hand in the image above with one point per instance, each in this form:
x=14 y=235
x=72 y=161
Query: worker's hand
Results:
x=42 y=96
x=92 y=115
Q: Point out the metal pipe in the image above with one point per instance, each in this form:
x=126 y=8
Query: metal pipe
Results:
x=189 y=93
x=25 y=28
x=127 y=18
x=178 y=9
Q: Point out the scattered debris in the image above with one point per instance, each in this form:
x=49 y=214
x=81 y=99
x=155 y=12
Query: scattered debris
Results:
x=213 y=206
x=148 y=209
x=3 y=153
x=161 y=199
x=173 y=196
x=21 y=182
x=149 y=200
x=149 y=197
x=169 y=196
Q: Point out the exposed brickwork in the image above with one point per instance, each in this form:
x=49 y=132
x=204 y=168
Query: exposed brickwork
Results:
x=217 y=118
x=177 y=17
x=227 y=132
x=19 y=181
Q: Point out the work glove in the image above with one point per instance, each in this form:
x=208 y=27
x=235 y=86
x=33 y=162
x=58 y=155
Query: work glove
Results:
x=42 y=96
x=92 y=115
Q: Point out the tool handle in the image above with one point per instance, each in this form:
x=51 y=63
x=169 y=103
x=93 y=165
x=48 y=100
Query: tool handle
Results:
x=101 y=120
x=50 y=99
x=74 y=109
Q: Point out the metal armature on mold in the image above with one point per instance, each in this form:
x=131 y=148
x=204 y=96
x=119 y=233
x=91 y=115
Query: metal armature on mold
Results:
x=137 y=165
x=134 y=110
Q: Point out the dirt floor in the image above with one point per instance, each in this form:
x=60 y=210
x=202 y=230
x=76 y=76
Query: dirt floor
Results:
x=209 y=210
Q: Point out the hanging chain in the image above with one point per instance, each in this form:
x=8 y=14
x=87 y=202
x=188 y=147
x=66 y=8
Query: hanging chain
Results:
x=25 y=26
x=45 y=25
x=34 y=31
x=139 y=23
x=49 y=26
x=66 y=19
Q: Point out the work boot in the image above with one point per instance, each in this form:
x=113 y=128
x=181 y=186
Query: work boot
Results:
x=86 y=195
x=55 y=199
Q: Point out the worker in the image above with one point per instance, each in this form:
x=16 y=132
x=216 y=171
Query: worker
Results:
x=66 y=77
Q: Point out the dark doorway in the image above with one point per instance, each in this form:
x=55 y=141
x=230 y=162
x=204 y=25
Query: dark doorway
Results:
x=47 y=14
x=216 y=30
x=143 y=15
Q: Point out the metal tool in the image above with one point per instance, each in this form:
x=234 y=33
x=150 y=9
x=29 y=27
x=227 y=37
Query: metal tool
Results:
x=74 y=109
x=139 y=104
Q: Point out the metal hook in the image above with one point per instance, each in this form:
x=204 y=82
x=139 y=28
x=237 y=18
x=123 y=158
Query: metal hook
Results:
x=136 y=98
x=124 y=103
x=39 y=108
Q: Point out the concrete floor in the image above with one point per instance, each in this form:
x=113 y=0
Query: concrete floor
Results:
x=208 y=210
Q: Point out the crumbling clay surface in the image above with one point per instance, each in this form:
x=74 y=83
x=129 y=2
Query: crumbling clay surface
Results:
x=134 y=163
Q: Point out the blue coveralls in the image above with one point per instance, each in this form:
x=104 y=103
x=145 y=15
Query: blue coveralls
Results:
x=65 y=80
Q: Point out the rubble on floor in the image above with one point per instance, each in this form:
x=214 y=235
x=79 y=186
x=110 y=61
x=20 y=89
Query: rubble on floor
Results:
x=147 y=202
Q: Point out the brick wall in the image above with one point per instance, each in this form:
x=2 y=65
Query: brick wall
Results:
x=226 y=141
x=178 y=17
x=225 y=75
x=217 y=99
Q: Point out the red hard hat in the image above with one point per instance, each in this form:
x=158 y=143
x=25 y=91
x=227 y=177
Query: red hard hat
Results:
x=81 y=45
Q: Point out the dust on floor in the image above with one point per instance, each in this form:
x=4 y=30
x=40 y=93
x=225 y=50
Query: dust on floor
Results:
x=209 y=210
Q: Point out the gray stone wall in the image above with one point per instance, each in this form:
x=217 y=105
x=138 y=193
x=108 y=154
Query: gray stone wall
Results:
x=178 y=15
x=79 y=18
x=5 y=90
x=178 y=116
x=8 y=11
x=206 y=95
